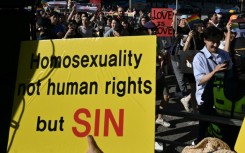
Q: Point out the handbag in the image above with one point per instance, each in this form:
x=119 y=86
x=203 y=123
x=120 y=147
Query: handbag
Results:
x=186 y=59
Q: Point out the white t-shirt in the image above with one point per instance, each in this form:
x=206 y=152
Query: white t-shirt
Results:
x=222 y=44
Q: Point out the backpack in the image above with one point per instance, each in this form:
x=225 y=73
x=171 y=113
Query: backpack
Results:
x=227 y=95
x=186 y=59
x=238 y=56
x=226 y=92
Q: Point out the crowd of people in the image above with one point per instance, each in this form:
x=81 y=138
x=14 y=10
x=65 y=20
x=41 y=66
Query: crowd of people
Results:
x=211 y=41
x=77 y=24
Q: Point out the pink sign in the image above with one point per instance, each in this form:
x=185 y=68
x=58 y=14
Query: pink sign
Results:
x=162 y=18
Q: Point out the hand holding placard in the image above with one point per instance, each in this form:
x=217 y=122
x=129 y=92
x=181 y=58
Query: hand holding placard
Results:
x=92 y=145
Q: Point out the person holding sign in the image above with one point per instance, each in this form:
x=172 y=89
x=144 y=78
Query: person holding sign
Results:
x=193 y=43
x=181 y=32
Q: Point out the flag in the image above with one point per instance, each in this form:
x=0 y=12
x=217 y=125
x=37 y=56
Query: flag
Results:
x=193 y=19
x=234 y=25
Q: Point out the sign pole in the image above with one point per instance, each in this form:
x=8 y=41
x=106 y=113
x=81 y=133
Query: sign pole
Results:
x=176 y=8
x=130 y=4
x=241 y=6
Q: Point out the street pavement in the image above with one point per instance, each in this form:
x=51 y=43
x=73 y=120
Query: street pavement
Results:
x=182 y=130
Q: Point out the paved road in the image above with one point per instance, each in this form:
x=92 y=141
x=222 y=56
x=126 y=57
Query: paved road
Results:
x=182 y=131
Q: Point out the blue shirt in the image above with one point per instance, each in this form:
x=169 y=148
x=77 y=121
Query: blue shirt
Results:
x=204 y=63
x=109 y=33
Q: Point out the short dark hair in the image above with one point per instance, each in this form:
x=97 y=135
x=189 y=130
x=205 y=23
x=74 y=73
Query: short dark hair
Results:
x=212 y=34
x=210 y=14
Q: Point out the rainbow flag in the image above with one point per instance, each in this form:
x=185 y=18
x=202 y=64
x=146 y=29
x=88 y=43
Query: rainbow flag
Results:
x=234 y=25
x=193 y=19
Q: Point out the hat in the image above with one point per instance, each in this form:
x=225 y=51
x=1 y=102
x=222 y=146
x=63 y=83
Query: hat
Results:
x=209 y=144
x=218 y=11
x=183 y=16
x=232 y=11
x=149 y=25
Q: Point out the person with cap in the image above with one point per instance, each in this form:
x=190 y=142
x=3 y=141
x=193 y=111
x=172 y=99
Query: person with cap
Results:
x=181 y=31
x=184 y=16
x=219 y=14
x=193 y=43
x=229 y=37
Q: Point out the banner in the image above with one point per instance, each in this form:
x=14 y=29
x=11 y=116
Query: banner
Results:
x=96 y=2
x=69 y=89
x=163 y=18
x=128 y=14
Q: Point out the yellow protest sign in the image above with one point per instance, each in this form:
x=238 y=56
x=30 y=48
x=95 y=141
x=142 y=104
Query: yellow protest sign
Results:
x=69 y=89
x=239 y=148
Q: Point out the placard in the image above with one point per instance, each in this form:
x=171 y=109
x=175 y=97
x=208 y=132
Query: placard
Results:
x=67 y=89
x=163 y=18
